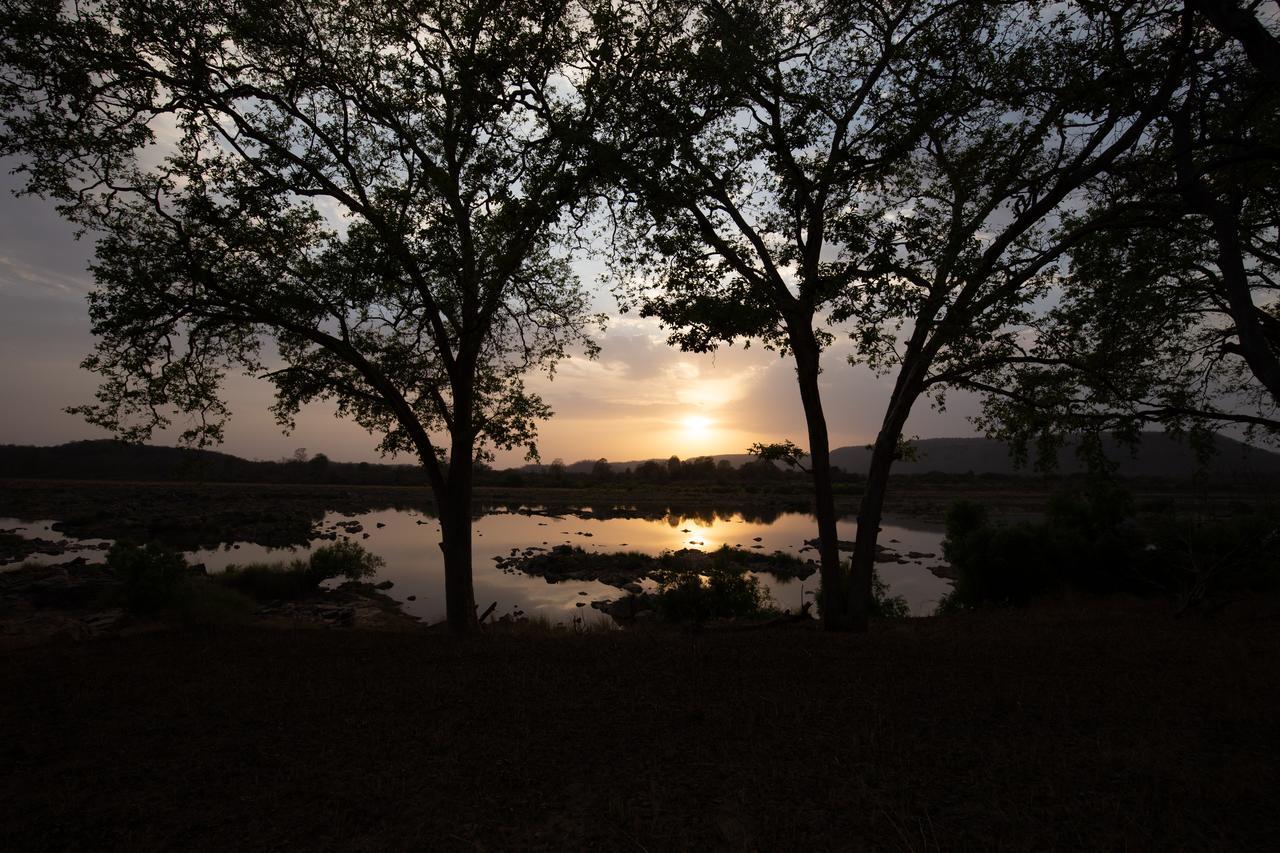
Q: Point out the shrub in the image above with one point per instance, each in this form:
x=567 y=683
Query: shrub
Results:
x=152 y=575
x=883 y=604
x=344 y=559
x=717 y=588
x=283 y=581
x=270 y=581
x=1200 y=559
x=1092 y=542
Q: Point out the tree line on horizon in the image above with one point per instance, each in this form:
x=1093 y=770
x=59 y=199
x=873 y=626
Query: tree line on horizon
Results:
x=1070 y=208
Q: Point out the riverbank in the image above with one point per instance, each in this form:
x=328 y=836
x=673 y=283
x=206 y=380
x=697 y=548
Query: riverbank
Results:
x=1100 y=728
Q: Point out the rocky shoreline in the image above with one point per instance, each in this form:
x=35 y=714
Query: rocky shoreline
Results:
x=78 y=600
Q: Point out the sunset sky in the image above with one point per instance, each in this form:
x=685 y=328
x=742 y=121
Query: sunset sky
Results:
x=640 y=399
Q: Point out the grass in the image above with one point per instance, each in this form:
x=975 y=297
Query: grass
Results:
x=990 y=731
x=296 y=578
x=268 y=581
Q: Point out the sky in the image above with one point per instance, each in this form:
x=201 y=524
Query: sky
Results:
x=640 y=399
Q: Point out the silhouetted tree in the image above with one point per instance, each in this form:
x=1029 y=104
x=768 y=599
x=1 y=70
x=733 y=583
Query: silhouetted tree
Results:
x=376 y=186
x=1170 y=311
x=762 y=138
x=906 y=165
x=948 y=253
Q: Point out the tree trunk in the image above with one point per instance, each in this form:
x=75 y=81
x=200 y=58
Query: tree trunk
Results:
x=455 y=542
x=455 y=525
x=883 y=454
x=835 y=595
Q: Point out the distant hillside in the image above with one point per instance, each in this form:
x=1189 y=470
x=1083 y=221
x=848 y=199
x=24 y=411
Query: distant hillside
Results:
x=1158 y=456
x=116 y=460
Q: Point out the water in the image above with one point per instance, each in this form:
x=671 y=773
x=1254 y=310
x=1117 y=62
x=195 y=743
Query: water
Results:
x=408 y=541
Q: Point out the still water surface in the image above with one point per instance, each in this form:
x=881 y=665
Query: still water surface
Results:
x=408 y=541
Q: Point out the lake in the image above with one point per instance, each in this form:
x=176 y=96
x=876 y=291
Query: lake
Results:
x=407 y=540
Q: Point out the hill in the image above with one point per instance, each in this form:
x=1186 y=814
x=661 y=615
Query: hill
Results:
x=116 y=460
x=1156 y=455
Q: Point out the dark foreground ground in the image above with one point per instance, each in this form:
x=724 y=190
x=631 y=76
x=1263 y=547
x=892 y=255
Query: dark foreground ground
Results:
x=984 y=731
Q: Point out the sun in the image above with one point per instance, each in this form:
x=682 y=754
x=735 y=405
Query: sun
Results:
x=696 y=426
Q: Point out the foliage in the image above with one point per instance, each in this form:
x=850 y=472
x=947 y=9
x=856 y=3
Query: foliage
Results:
x=908 y=169
x=345 y=559
x=284 y=581
x=1090 y=541
x=379 y=191
x=1207 y=561
x=1168 y=311
x=884 y=605
x=269 y=581
x=786 y=451
x=153 y=576
x=717 y=588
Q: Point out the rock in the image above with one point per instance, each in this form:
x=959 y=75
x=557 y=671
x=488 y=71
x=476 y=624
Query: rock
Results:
x=383 y=585
x=412 y=598
x=841 y=544
x=627 y=608
x=105 y=620
x=380 y=525
x=633 y=588
x=758 y=539
x=920 y=555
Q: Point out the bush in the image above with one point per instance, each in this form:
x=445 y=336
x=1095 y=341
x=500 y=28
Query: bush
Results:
x=284 y=581
x=884 y=605
x=1092 y=542
x=718 y=588
x=270 y=581
x=344 y=559
x=1199 y=559
x=153 y=576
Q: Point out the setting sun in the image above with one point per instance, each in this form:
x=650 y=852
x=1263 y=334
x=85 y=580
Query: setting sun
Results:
x=696 y=426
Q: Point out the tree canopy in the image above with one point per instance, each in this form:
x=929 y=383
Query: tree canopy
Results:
x=1168 y=310
x=380 y=189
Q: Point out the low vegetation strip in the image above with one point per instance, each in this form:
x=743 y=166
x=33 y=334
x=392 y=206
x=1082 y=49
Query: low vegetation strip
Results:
x=1006 y=730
